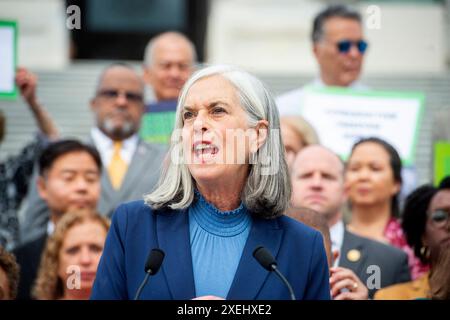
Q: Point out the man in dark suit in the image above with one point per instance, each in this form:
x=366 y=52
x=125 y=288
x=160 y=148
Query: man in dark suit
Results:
x=69 y=180
x=318 y=183
x=132 y=165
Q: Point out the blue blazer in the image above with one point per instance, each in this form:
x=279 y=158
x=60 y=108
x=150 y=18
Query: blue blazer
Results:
x=136 y=229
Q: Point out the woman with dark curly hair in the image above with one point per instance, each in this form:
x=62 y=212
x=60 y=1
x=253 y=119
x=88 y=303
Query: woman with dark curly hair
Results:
x=70 y=259
x=9 y=275
x=427 y=227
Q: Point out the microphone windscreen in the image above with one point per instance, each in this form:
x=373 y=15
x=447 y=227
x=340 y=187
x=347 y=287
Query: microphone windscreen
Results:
x=154 y=261
x=265 y=258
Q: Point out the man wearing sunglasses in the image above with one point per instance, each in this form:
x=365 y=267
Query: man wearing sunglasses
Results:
x=339 y=48
x=132 y=166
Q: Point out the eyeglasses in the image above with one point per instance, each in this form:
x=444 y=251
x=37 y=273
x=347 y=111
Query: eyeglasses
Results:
x=344 y=46
x=113 y=94
x=439 y=217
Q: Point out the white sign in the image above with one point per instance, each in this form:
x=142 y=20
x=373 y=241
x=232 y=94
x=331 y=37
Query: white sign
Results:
x=7 y=59
x=342 y=116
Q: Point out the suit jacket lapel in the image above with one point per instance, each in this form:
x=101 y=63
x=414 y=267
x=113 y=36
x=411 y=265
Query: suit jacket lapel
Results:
x=107 y=192
x=138 y=164
x=172 y=229
x=143 y=160
x=351 y=242
x=250 y=276
x=107 y=189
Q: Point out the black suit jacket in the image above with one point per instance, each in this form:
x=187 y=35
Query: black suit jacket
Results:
x=391 y=262
x=28 y=257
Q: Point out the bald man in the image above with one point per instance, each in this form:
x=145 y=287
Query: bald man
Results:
x=318 y=183
x=168 y=63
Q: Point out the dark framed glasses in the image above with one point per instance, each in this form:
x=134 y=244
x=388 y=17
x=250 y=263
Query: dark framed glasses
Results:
x=344 y=46
x=439 y=217
x=113 y=94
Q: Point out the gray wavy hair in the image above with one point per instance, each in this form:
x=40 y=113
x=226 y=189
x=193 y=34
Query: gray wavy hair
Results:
x=267 y=191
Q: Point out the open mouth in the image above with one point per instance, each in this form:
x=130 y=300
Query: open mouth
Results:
x=205 y=150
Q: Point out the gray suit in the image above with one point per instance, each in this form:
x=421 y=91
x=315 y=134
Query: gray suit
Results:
x=392 y=262
x=141 y=177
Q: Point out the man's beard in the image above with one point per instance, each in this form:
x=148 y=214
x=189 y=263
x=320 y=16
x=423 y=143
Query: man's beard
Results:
x=116 y=132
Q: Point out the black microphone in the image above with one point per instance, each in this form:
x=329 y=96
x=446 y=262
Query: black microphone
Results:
x=268 y=262
x=152 y=265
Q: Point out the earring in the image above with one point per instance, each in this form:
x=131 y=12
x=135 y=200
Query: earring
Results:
x=424 y=252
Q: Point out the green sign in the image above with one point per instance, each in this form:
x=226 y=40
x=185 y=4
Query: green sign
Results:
x=441 y=160
x=8 y=59
x=157 y=127
x=342 y=116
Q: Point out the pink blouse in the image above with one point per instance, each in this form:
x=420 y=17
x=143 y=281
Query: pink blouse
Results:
x=396 y=237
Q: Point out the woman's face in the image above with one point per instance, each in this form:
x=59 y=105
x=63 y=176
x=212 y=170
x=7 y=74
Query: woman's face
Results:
x=437 y=229
x=80 y=254
x=369 y=176
x=292 y=141
x=216 y=137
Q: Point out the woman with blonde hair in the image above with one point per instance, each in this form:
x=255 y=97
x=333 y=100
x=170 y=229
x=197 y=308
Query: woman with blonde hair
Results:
x=71 y=256
x=296 y=133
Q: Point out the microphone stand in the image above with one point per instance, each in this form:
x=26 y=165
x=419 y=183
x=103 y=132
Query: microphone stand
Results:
x=283 y=278
x=138 y=293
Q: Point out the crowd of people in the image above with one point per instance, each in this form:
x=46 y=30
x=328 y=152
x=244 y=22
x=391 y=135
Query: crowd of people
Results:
x=169 y=175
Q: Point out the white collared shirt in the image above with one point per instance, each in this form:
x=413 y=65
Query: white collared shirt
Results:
x=337 y=239
x=105 y=146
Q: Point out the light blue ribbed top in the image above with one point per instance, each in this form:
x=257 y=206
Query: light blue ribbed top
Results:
x=217 y=241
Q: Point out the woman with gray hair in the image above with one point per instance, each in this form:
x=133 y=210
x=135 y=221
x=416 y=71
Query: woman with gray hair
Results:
x=222 y=194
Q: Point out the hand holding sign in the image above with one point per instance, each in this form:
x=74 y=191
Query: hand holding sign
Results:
x=26 y=81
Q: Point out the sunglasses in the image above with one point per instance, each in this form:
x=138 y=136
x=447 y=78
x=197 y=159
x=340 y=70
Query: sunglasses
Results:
x=113 y=94
x=344 y=46
x=439 y=217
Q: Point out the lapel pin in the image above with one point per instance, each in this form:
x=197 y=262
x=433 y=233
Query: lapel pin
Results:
x=353 y=255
